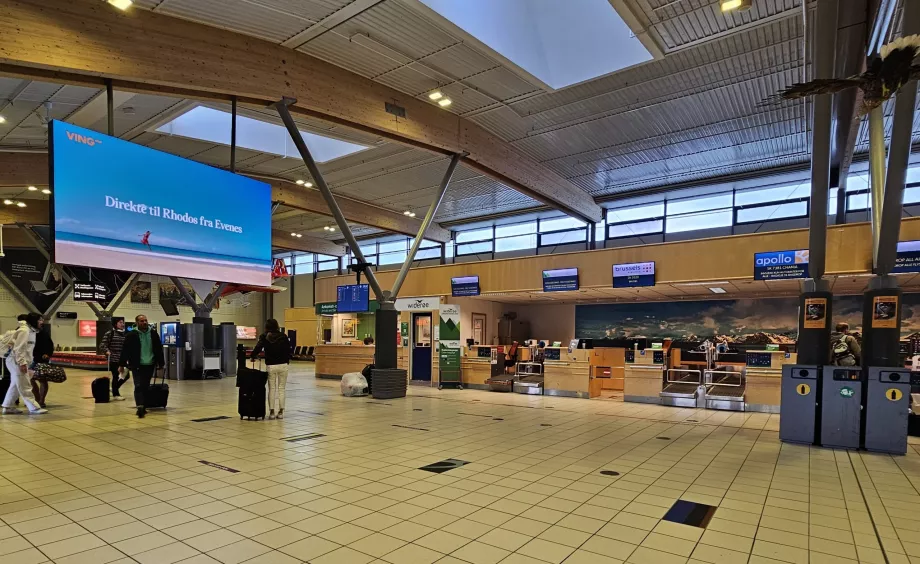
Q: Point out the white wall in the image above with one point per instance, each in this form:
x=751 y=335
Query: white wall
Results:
x=64 y=331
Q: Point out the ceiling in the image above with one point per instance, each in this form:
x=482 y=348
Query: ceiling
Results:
x=692 y=114
x=734 y=289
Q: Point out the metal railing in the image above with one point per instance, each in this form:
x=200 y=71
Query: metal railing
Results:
x=683 y=379
x=724 y=375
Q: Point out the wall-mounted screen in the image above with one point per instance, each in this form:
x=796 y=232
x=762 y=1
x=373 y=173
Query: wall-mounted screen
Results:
x=124 y=206
x=464 y=286
x=561 y=280
x=169 y=333
x=246 y=332
x=908 y=257
x=86 y=328
x=353 y=298
x=635 y=274
x=781 y=265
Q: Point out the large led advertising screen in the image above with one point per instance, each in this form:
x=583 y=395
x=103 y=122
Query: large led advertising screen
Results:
x=123 y=206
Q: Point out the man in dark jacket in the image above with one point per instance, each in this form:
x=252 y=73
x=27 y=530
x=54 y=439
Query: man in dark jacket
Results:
x=142 y=353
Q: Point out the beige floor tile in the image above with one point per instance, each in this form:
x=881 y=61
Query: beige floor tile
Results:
x=241 y=551
x=215 y=539
x=672 y=545
x=480 y=553
x=167 y=554
x=514 y=558
x=412 y=553
x=309 y=548
x=407 y=531
x=377 y=544
x=100 y=555
x=609 y=547
x=786 y=538
x=716 y=555
x=780 y=552
x=345 y=534
x=546 y=550
x=282 y=536
x=273 y=557
x=643 y=555
x=187 y=530
x=72 y=545
x=316 y=524
x=568 y=537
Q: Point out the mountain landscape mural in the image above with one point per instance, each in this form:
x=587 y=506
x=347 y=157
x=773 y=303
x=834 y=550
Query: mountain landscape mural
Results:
x=768 y=320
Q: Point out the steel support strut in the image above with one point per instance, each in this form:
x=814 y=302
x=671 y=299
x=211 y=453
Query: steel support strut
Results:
x=889 y=213
x=825 y=44
x=122 y=293
x=429 y=217
x=282 y=109
x=876 y=177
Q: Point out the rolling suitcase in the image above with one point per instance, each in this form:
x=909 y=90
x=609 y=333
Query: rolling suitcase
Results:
x=251 y=383
x=101 y=387
x=157 y=394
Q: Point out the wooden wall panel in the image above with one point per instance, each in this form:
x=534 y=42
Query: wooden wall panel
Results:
x=722 y=258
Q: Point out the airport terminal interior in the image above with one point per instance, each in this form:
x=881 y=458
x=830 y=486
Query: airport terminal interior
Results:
x=466 y=282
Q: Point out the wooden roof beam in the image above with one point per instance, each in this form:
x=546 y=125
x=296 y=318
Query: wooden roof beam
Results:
x=305 y=243
x=86 y=41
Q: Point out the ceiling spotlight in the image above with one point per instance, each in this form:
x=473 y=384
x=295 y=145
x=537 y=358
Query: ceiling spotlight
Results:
x=8 y=202
x=732 y=5
x=326 y=228
x=332 y=229
x=300 y=182
x=444 y=102
x=46 y=191
x=32 y=188
x=21 y=204
x=412 y=214
x=436 y=95
x=2 y=119
x=121 y=4
x=717 y=290
x=293 y=234
x=300 y=235
x=308 y=184
x=407 y=212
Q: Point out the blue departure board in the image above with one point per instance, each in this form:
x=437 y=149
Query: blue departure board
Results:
x=353 y=298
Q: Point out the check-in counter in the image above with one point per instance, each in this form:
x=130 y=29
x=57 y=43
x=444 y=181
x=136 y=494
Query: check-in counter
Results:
x=763 y=375
x=332 y=361
x=567 y=373
x=608 y=367
x=644 y=375
x=476 y=365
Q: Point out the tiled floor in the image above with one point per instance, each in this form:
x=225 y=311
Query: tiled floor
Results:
x=92 y=484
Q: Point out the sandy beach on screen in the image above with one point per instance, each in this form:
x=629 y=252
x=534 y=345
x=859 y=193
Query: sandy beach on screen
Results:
x=146 y=262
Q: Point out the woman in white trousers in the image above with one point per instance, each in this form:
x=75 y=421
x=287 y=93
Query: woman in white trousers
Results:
x=277 y=349
x=18 y=362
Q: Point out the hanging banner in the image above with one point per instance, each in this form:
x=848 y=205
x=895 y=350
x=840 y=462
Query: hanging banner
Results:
x=449 y=343
x=781 y=265
x=815 y=313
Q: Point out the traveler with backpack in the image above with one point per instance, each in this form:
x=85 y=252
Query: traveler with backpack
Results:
x=6 y=341
x=845 y=349
x=277 y=357
x=112 y=343
x=18 y=360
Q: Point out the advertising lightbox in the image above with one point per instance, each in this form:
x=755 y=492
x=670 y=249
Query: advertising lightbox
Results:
x=119 y=205
x=634 y=274
x=781 y=265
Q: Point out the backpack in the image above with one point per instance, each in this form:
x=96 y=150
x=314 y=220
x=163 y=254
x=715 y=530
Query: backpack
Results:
x=6 y=342
x=842 y=354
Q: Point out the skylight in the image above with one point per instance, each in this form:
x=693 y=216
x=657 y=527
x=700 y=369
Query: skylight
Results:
x=207 y=124
x=559 y=42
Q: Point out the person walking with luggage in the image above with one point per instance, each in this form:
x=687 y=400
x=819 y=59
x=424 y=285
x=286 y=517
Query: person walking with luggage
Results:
x=845 y=350
x=18 y=360
x=112 y=344
x=44 y=348
x=277 y=349
x=142 y=353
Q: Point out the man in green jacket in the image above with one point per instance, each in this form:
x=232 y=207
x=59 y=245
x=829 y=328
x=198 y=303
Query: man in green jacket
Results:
x=142 y=354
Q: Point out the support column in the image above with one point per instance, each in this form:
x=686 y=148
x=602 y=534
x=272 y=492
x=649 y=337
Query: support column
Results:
x=816 y=301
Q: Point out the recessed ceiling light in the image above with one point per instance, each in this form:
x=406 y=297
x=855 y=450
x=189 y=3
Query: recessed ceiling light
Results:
x=717 y=290
x=732 y=5
x=436 y=95
x=121 y=4
x=300 y=182
x=412 y=214
x=300 y=235
x=8 y=202
x=407 y=212
x=2 y=119
x=326 y=228
x=46 y=191
x=308 y=184
x=32 y=188
x=444 y=102
x=332 y=229
x=21 y=204
x=293 y=234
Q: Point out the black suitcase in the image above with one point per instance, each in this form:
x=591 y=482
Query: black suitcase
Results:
x=251 y=383
x=157 y=394
x=101 y=388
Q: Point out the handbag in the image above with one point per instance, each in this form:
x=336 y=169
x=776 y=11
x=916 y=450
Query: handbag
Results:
x=49 y=373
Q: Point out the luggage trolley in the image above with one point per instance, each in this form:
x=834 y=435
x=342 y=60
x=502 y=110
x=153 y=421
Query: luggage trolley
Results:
x=682 y=387
x=724 y=389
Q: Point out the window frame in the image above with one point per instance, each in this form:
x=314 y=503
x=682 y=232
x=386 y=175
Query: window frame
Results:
x=807 y=200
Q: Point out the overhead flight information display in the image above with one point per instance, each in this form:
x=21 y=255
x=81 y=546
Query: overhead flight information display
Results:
x=353 y=298
x=464 y=286
x=634 y=274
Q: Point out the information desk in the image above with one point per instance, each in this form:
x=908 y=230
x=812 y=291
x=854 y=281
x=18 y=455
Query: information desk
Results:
x=476 y=365
x=332 y=361
x=567 y=373
x=644 y=375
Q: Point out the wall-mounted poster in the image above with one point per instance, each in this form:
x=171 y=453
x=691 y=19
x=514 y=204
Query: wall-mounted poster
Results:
x=140 y=292
x=885 y=312
x=815 y=313
x=169 y=291
x=348 y=328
